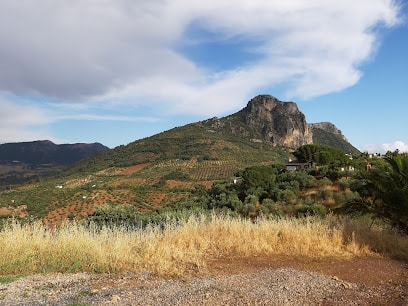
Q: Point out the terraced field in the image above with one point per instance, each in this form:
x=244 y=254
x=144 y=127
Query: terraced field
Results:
x=147 y=186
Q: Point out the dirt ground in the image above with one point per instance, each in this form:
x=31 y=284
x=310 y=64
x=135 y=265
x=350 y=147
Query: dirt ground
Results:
x=387 y=277
x=234 y=281
x=365 y=270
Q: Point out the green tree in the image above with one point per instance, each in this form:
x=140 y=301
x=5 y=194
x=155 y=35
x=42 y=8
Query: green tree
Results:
x=320 y=154
x=259 y=176
x=384 y=191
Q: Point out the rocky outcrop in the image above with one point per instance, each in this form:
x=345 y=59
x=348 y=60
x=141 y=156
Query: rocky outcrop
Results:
x=270 y=121
x=279 y=123
x=327 y=127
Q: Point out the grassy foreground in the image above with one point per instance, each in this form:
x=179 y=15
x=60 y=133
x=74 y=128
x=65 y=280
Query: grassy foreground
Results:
x=180 y=247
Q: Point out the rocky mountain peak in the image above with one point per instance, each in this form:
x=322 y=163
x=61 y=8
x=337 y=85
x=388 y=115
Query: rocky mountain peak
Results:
x=280 y=123
x=270 y=121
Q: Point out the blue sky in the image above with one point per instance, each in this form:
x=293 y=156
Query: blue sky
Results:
x=83 y=71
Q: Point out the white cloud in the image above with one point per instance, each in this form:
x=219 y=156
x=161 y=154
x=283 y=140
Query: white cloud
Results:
x=383 y=148
x=102 y=52
x=68 y=49
x=93 y=117
x=22 y=122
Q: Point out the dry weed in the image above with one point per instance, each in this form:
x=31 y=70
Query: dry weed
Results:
x=178 y=247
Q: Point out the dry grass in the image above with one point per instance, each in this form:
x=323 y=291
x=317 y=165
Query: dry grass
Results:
x=178 y=248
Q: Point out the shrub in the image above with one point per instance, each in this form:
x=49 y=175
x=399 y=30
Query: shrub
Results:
x=344 y=183
x=325 y=194
x=339 y=198
x=287 y=195
x=312 y=210
x=324 y=182
x=114 y=215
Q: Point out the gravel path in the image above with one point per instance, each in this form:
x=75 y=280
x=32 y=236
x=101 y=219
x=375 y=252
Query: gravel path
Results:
x=266 y=286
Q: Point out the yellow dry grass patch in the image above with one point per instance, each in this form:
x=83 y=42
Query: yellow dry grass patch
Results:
x=178 y=248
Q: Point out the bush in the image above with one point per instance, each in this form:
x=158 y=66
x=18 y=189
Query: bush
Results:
x=344 y=183
x=114 y=215
x=287 y=195
x=325 y=194
x=339 y=198
x=312 y=210
x=320 y=154
x=324 y=182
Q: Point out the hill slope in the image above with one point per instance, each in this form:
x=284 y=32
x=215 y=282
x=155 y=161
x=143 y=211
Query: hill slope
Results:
x=326 y=133
x=266 y=129
x=155 y=171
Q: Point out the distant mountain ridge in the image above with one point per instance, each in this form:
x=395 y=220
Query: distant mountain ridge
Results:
x=21 y=162
x=47 y=152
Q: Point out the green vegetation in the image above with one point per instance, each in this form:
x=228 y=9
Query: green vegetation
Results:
x=192 y=141
x=384 y=191
x=270 y=191
x=333 y=140
x=321 y=155
x=8 y=279
x=129 y=217
x=178 y=188
x=171 y=216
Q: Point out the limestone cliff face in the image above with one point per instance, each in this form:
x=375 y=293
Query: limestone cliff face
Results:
x=270 y=121
x=279 y=123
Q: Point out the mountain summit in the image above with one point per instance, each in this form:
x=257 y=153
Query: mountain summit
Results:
x=279 y=123
x=268 y=120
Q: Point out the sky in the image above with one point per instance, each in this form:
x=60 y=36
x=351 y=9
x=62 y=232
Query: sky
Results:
x=115 y=71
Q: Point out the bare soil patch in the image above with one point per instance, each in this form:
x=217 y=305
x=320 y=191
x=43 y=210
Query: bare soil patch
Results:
x=387 y=277
x=361 y=281
x=133 y=169
x=188 y=184
x=19 y=211
x=364 y=281
x=236 y=281
x=366 y=270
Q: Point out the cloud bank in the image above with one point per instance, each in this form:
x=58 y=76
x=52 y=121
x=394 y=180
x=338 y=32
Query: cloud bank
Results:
x=79 y=49
x=128 y=52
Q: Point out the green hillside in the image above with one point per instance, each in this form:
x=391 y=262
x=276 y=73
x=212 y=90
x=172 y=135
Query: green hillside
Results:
x=155 y=172
x=184 y=143
x=329 y=139
x=148 y=174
